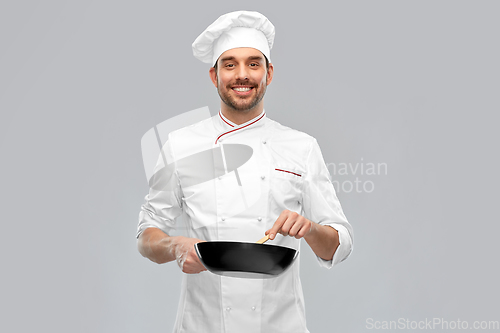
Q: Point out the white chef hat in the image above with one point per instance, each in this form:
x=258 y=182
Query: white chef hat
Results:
x=232 y=30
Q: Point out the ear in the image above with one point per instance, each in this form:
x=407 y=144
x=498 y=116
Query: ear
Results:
x=213 y=76
x=270 y=73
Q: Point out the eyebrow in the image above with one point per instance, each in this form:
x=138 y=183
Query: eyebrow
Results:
x=233 y=58
x=226 y=59
x=255 y=58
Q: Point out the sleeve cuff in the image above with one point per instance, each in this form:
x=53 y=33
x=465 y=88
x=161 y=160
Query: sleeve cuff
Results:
x=343 y=250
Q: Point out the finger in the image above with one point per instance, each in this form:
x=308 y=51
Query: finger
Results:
x=269 y=231
x=295 y=228
x=199 y=268
x=306 y=229
x=198 y=260
x=285 y=228
x=300 y=227
x=301 y=232
x=288 y=228
x=278 y=224
x=193 y=267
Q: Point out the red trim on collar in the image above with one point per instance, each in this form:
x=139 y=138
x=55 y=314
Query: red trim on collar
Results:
x=253 y=122
x=224 y=120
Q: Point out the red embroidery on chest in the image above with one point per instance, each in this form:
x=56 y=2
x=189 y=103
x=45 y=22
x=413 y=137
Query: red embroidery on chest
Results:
x=293 y=173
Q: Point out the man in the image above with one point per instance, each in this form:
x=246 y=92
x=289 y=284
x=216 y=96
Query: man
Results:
x=282 y=190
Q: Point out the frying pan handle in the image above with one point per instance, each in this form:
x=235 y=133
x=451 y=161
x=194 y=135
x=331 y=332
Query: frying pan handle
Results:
x=263 y=240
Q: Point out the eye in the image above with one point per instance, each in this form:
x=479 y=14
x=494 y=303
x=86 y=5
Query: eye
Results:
x=230 y=65
x=253 y=64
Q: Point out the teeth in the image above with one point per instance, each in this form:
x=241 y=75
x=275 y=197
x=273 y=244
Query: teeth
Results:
x=242 y=89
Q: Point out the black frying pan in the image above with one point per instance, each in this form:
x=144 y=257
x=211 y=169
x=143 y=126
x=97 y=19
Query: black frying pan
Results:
x=239 y=259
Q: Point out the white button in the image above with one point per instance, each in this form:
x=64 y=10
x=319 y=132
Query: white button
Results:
x=262 y=177
x=264 y=142
x=228 y=309
x=218 y=178
x=223 y=218
x=259 y=218
x=253 y=308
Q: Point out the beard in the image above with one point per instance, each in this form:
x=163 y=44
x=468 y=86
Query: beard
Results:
x=238 y=103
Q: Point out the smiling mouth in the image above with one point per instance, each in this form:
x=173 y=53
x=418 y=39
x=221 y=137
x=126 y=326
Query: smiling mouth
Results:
x=242 y=89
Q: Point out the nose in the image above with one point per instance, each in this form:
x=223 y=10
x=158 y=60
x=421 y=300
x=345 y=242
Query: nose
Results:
x=242 y=73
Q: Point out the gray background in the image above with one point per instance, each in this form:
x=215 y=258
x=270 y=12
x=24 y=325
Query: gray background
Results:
x=412 y=84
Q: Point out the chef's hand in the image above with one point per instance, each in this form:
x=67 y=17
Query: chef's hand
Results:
x=290 y=224
x=186 y=256
x=160 y=248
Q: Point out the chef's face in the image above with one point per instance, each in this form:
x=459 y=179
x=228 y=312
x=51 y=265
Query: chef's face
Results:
x=241 y=78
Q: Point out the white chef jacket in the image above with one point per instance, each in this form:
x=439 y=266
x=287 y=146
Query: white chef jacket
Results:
x=285 y=171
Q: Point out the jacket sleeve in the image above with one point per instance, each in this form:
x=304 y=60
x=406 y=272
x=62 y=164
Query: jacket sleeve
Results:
x=163 y=203
x=321 y=205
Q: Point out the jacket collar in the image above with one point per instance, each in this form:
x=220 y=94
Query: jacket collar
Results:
x=227 y=127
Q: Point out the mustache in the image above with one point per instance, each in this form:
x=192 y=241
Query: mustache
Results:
x=242 y=83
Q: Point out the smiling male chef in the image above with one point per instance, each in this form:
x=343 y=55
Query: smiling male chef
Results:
x=283 y=190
